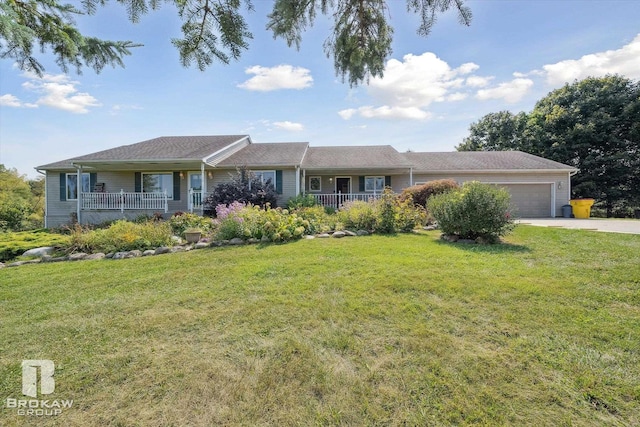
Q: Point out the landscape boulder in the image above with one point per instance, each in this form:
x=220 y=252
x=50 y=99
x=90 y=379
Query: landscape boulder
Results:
x=39 y=252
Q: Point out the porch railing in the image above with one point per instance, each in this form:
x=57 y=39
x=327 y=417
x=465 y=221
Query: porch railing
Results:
x=123 y=201
x=195 y=199
x=338 y=199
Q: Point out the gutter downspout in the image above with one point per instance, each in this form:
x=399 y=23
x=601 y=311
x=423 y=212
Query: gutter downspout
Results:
x=203 y=190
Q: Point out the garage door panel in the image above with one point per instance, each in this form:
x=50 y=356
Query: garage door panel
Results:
x=530 y=200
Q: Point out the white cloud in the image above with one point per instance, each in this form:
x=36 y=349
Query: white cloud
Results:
x=411 y=85
x=290 y=126
x=386 y=112
x=9 y=100
x=58 y=91
x=116 y=109
x=477 y=81
x=625 y=61
x=511 y=92
x=275 y=78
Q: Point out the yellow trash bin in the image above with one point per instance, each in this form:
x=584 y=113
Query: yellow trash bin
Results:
x=581 y=207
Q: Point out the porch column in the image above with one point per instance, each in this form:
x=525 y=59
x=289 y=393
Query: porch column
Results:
x=553 y=200
x=297 y=180
x=304 y=181
x=79 y=190
x=203 y=191
x=410 y=177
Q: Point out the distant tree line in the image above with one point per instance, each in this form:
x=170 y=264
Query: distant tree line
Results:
x=593 y=125
x=21 y=201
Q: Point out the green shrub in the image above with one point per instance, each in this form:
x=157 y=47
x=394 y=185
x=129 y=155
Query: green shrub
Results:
x=358 y=215
x=386 y=212
x=408 y=215
x=15 y=244
x=121 y=236
x=421 y=193
x=302 y=201
x=180 y=222
x=475 y=210
x=319 y=220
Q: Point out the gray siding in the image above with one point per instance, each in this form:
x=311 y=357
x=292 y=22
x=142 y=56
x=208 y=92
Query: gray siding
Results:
x=328 y=183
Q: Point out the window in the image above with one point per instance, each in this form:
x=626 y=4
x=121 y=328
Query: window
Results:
x=315 y=183
x=72 y=185
x=158 y=183
x=374 y=183
x=266 y=176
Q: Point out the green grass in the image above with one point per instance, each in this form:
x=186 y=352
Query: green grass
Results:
x=404 y=330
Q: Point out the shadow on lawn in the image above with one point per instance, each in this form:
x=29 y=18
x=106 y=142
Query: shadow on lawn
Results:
x=498 y=248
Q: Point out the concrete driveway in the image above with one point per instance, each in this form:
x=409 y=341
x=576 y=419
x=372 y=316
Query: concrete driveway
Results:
x=629 y=226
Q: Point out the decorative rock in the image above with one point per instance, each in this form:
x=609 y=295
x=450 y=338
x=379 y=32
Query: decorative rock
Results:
x=49 y=258
x=176 y=239
x=253 y=240
x=98 y=255
x=216 y=244
x=120 y=255
x=362 y=233
x=77 y=256
x=338 y=234
x=323 y=236
x=429 y=228
x=348 y=233
x=309 y=237
x=148 y=252
x=39 y=252
x=265 y=239
x=201 y=245
x=236 y=241
x=109 y=255
x=187 y=248
x=162 y=250
x=134 y=253
x=177 y=249
x=224 y=242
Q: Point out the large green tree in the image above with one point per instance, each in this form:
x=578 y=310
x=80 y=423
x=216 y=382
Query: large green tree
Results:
x=593 y=124
x=214 y=30
x=495 y=131
x=21 y=200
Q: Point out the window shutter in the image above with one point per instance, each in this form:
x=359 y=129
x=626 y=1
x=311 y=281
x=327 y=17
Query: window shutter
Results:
x=387 y=181
x=63 y=187
x=361 y=183
x=279 y=181
x=176 y=186
x=93 y=179
x=138 y=183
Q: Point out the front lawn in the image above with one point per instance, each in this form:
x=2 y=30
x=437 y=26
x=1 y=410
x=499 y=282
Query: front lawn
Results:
x=374 y=330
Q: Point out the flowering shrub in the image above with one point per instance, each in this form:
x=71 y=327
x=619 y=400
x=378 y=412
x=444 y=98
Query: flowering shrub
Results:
x=385 y=215
x=319 y=220
x=121 y=236
x=244 y=187
x=358 y=215
x=223 y=211
x=180 y=222
x=475 y=210
x=275 y=225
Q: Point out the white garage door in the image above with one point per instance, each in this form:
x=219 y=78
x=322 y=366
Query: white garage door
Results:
x=530 y=200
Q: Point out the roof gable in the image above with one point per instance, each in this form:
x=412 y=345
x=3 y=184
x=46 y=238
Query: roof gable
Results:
x=267 y=154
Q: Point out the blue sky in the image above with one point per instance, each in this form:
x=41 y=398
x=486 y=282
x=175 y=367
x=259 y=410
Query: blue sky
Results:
x=513 y=54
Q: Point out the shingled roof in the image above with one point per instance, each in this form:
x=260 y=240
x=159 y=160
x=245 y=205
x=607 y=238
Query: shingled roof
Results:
x=355 y=157
x=481 y=161
x=267 y=154
x=164 y=148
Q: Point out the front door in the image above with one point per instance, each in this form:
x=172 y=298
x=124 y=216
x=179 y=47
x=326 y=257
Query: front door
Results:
x=195 y=190
x=343 y=185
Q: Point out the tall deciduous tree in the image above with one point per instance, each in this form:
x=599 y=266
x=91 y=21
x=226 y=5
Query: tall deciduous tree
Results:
x=214 y=30
x=495 y=132
x=594 y=125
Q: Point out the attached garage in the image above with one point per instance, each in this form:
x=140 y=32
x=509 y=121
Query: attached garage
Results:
x=531 y=200
x=539 y=187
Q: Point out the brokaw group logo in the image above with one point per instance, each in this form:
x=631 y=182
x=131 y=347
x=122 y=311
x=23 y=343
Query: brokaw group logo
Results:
x=38 y=407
